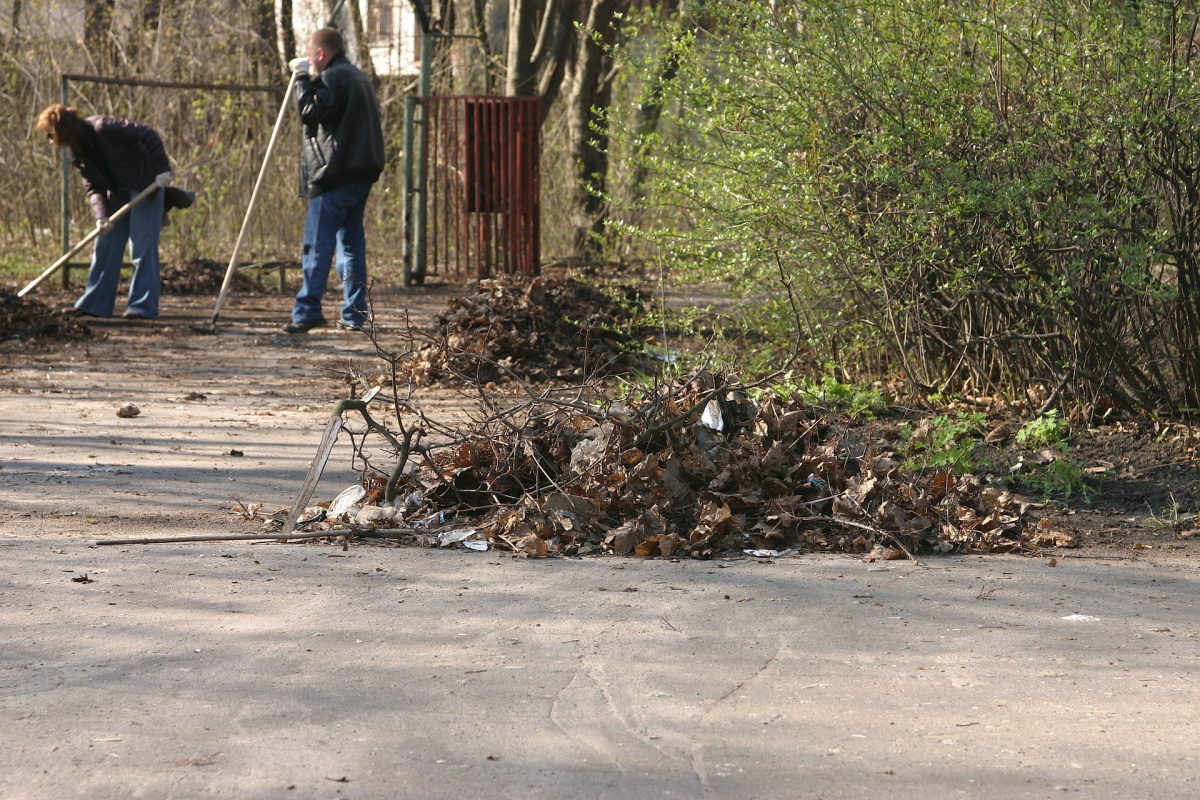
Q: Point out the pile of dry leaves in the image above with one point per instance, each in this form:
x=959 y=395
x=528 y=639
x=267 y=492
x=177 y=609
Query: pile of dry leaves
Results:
x=550 y=328
x=26 y=318
x=700 y=469
x=200 y=276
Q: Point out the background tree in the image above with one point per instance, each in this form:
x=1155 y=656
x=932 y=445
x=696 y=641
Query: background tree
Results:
x=97 y=30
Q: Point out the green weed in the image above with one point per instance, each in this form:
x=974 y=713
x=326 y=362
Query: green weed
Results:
x=1046 y=430
x=1171 y=516
x=1060 y=479
x=943 y=441
x=856 y=400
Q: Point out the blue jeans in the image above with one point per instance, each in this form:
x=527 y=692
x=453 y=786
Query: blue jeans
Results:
x=141 y=228
x=334 y=224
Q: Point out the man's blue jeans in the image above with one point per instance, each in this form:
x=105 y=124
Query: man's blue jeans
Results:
x=141 y=228
x=334 y=225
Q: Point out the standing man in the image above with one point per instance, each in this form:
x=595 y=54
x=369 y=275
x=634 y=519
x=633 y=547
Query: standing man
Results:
x=117 y=160
x=342 y=157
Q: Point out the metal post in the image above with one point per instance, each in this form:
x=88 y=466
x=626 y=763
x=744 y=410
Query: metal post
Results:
x=66 y=191
x=422 y=144
x=407 y=191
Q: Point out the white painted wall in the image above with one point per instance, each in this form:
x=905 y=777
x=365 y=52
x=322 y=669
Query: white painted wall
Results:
x=396 y=52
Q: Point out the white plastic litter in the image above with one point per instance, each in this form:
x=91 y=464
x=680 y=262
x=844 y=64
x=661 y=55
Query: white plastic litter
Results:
x=343 y=502
x=370 y=515
x=476 y=545
x=768 y=553
x=712 y=418
x=446 y=538
x=1080 y=618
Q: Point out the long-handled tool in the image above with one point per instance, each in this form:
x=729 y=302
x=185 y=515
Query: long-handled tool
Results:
x=237 y=247
x=120 y=212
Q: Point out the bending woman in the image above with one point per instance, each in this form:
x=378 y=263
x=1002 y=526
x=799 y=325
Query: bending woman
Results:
x=117 y=159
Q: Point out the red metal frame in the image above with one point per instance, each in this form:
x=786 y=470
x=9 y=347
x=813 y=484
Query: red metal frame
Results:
x=483 y=191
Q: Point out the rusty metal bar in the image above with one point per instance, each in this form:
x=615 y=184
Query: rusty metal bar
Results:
x=483 y=195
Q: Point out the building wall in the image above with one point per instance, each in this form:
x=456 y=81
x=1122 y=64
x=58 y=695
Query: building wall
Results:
x=392 y=32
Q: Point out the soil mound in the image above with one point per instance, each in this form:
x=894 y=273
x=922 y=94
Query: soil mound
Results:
x=25 y=318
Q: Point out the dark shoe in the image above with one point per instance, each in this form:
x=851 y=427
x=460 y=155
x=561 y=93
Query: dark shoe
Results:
x=349 y=326
x=136 y=315
x=303 y=327
x=72 y=311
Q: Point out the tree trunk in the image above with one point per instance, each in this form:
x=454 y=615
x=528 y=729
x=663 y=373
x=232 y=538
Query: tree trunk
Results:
x=587 y=130
x=521 y=78
x=287 y=30
x=362 y=41
x=555 y=50
x=268 y=62
x=97 y=32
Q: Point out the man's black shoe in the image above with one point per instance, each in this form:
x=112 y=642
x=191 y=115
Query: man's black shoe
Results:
x=349 y=326
x=303 y=327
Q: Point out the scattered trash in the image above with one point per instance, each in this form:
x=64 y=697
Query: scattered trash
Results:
x=712 y=418
x=83 y=579
x=369 y=516
x=438 y=518
x=236 y=453
x=348 y=498
x=128 y=410
x=447 y=538
x=769 y=553
x=1080 y=618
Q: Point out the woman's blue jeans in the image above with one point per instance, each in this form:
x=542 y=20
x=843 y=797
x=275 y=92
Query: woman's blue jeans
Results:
x=141 y=228
x=334 y=226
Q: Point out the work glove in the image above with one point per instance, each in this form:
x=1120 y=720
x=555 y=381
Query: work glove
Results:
x=104 y=226
x=299 y=66
x=162 y=179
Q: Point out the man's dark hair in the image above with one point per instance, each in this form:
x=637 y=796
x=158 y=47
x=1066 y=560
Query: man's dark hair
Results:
x=329 y=40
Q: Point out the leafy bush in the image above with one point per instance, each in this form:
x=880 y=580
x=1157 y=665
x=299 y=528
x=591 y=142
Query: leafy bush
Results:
x=854 y=400
x=995 y=195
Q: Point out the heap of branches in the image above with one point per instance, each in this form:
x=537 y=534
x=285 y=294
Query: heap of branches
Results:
x=696 y=468
x=700 y=464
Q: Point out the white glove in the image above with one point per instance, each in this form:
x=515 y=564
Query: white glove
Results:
x=104 y=226
x=299 y=66
x=162 y=179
